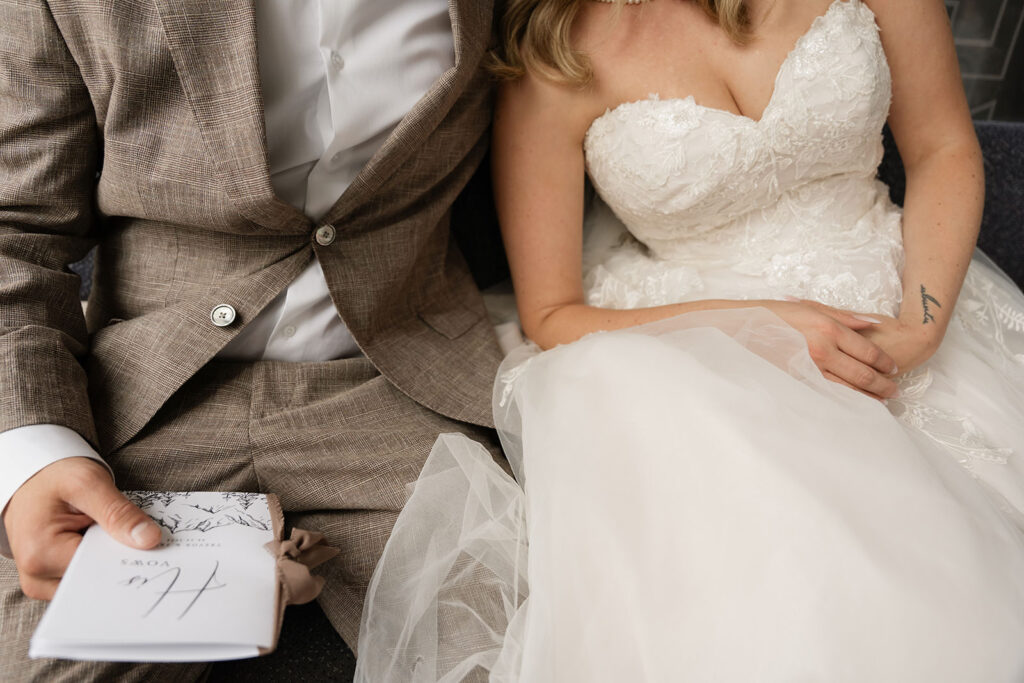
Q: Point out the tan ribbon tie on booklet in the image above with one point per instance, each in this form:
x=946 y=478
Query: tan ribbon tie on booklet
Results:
x=295 y=557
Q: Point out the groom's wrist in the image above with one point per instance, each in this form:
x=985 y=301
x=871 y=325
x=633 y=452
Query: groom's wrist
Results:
x=24 y=451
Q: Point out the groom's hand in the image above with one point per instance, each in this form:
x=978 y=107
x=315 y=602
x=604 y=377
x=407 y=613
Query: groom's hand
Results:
x=46 y=516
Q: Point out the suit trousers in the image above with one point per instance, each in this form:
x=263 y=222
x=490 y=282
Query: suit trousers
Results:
x=337 y=442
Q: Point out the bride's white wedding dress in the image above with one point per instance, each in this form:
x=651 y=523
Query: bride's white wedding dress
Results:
x=700 y=503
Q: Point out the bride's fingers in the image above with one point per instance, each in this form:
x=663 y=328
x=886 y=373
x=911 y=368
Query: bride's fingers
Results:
x=861 y=376
x=866 y=351
x=855 y=321
x=851 y=319
x=839 y=380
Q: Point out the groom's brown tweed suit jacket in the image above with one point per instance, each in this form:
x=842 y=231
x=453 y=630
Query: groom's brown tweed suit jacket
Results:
x=138 y=125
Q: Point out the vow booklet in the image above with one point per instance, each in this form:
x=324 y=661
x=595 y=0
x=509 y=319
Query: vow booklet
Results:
x=208 y=592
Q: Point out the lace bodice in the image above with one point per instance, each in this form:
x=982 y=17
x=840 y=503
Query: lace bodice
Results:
x=726 y=206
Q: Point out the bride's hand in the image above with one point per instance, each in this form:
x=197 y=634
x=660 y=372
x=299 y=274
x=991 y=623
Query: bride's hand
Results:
x=840 y=348
x=908 y=343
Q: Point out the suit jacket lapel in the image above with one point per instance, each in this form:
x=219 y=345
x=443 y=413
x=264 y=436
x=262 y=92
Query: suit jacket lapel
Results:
x=471 y=29
x=213 y=45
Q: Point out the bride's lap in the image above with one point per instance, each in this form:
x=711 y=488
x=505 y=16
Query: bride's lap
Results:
x=739 y=473
x=690 y=483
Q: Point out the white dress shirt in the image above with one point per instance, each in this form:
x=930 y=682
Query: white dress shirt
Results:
x=336 y=78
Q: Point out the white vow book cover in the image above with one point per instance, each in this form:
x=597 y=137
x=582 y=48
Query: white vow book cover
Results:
x=207 y=592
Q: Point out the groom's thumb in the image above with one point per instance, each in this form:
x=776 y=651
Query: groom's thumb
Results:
x=118 y=516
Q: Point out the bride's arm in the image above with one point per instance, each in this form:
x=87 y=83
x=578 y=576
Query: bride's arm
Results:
x=932 y=126
x=538 y=170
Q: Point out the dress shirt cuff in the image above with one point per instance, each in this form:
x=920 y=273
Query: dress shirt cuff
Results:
x=26 y=450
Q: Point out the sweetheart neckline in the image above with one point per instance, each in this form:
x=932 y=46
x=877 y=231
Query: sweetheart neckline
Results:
x=654 y=97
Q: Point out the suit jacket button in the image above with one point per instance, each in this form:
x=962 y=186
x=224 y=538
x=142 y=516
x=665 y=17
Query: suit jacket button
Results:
x=223 y=315
x=325 y=235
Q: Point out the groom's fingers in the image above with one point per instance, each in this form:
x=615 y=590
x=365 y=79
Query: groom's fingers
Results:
x=43 y=552
x=96 y=496
x=45 y=515
x=41 y=565
x=39 y=589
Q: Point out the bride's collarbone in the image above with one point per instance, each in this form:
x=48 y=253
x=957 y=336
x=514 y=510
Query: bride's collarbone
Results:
x=675 y=57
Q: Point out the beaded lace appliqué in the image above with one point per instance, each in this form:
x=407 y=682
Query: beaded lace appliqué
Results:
x=790 y=200
x=956 y=433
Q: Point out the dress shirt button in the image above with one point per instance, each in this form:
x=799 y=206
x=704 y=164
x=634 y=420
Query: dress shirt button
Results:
x=223 y=315
x=325 y=235
x=336 y=159
x=337 y=61
x=288 y=331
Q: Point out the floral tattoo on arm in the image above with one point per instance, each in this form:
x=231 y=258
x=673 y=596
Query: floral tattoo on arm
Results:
x=926 y=300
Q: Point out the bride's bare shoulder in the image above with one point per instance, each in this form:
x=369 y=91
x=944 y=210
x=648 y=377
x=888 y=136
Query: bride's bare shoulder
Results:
x=543 y=97
x=604 y=38
x=538 y=102
x=929 y=110
x=627 y=51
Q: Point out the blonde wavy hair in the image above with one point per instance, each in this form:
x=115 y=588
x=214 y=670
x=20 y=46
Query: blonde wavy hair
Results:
x=535 y=35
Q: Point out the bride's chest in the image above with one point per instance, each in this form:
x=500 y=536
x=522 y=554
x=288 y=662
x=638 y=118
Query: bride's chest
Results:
x=675 y=157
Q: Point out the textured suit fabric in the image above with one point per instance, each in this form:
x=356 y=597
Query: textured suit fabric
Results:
x=166 y=92
x=137 y=126
x=336 y=441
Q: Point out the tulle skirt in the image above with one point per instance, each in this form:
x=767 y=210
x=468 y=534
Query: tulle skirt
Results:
x=693 y=501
